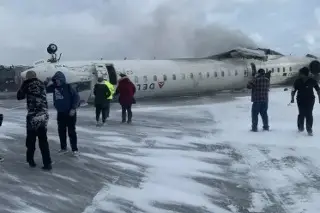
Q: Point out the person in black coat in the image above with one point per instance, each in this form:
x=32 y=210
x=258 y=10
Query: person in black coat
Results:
x=37 y=118
x=101 y=93
x=304 y=85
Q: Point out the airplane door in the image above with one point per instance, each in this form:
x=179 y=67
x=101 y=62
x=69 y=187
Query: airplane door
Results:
x=101 y=71
x=113 y=78
x=107 y=71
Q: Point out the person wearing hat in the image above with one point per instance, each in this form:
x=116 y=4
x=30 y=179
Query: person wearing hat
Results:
x=37 y=118
x=101 y=93
x=126 y=90
x=304 y=85
x=259 y=97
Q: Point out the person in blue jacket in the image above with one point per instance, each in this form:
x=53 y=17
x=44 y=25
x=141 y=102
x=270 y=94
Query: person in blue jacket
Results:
x=66 y=101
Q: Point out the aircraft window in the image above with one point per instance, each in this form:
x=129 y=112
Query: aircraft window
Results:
x=145 y=78
x=284 y=69
x=278 y=69
x=235 y=72
x=174 y=77
x=290 y=68
x=215 y=74
x=222 y=73
x=272 y=69
x=136 y=79
x=155 y=78
x=165 y=77
x=208 y=75
x=200 y=75
x=183 y=76
x=191 y=75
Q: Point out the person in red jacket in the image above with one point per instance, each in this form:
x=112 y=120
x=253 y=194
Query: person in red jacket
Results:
x=126 y=90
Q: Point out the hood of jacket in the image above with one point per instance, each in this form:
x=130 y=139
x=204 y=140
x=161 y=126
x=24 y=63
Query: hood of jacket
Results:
x=59 y=76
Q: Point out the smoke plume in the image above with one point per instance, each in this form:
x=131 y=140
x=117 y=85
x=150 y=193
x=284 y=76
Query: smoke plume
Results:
x=176 y=30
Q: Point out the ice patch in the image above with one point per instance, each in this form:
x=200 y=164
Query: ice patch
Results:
x=22 y=205
x=12 y=127
x=126 y=165
x=12 y=177
x=2 y=136
x=113 y=140
x=93 y=132
x=64 y=177
x=94 y=156
x=39 y=193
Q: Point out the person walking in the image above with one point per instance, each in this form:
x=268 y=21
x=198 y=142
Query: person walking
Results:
x=304 y=85
x=66 y=100
x=37 y=118
x=126 y=91
x=101 y=93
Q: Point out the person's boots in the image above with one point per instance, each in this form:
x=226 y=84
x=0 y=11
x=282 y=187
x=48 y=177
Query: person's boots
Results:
x=31 y=162
x=300 y=124
x=254 y=129
x=124 y=117
x=129 y=119
x=47 y=167
x=266 y=128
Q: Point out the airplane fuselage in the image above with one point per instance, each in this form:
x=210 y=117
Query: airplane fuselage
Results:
x=176 y=77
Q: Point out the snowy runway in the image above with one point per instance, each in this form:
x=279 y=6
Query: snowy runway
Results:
x=194 y=156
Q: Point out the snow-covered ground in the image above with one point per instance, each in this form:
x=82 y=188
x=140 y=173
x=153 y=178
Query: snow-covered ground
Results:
x=194 y=156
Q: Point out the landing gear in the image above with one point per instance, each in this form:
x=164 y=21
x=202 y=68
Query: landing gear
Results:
x=52 y=49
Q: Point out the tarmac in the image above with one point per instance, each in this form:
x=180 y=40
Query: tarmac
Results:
x=113 y=156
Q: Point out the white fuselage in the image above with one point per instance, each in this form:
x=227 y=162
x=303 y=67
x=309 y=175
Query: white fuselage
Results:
x=181 y=77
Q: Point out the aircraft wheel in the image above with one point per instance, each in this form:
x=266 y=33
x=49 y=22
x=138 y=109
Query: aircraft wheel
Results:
x=52 y=48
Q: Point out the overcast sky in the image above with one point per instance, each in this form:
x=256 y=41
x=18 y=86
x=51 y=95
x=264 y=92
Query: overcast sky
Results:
x=111 y=29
